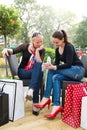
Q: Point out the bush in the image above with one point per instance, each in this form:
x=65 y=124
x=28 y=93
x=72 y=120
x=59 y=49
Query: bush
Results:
x=1 y=48
x=2 y=62
x=49 y=52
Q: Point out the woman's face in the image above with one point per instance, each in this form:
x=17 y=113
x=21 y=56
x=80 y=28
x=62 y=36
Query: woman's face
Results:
x=57 y=42
x=37 y=41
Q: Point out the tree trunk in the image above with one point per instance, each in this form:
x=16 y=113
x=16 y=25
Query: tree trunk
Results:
x=5 y=39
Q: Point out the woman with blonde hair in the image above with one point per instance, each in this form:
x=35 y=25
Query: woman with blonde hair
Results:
x=31 y=66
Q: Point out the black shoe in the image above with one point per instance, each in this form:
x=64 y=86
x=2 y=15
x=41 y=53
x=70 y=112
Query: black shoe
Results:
x=36 y=113
x=29 y=97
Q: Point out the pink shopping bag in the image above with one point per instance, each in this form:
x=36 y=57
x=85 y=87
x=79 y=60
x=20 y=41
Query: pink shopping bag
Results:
x=72 y=106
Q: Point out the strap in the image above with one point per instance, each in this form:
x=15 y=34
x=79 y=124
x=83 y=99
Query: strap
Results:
x=1 y=90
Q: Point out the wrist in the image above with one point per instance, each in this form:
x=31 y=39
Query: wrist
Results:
x=55 y=67
x=37 y=50
x=10 y=51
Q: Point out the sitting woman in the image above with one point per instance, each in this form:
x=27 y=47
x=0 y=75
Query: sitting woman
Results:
x=31 y=66
x=67 y=67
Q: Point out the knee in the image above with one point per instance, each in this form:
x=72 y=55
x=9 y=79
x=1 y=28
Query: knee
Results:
x=54 y=78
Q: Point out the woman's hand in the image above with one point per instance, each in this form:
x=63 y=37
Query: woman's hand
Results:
x=49 y=66
x=6 y=52
x=40 y=48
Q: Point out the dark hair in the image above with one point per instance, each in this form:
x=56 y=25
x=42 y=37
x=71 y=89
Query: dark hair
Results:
x=35 y=34
x=60 y=34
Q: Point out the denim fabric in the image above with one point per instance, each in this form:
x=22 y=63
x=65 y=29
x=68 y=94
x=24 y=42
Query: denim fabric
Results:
x=54 y=78
x=36 y=76
x=75 y=72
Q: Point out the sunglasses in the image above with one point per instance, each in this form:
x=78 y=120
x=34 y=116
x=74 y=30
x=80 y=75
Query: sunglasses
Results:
x=35 y=34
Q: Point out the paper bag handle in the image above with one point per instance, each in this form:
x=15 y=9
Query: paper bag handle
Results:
x=1 y=90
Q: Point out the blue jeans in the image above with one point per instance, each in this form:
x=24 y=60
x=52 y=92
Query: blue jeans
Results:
x=36 y=76
x=54 y=78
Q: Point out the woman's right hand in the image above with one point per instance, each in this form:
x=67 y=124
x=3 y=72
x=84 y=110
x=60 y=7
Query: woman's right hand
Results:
x=6 y=52
x=49 y=66
x=46 y=65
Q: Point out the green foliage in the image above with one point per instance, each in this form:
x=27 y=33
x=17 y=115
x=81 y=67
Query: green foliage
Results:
x=9 y=21
x=81 y=34
x=42 y=18
x=2 y=61
x=31 y=9
x=1 y=48
x=49 y=52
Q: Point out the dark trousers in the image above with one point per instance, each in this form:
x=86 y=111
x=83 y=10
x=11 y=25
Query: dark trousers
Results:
x=36 y=76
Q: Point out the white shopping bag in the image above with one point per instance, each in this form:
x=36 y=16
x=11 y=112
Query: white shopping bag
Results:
x=84 y=113
x=16 y=97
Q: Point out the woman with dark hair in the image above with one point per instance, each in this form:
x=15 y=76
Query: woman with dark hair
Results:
x=31 y=66
x=67 y=66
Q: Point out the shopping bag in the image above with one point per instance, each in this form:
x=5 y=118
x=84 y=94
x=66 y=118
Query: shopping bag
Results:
x=4 y=107
x=72 y=106
x=16 y=97
x=84 y=113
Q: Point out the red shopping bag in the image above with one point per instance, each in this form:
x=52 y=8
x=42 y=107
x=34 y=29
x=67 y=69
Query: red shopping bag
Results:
x=72 y=106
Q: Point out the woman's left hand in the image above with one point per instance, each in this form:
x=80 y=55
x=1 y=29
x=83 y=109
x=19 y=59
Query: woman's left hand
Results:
x=40 y=48
x=49 y=66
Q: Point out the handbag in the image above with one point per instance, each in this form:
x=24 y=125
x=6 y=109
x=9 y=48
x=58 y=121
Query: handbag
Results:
x=14 y=88
x=4 y=107
x=72 y=107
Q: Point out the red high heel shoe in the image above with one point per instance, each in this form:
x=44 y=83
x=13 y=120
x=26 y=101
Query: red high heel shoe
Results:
x=43 y=105
x=52 y=116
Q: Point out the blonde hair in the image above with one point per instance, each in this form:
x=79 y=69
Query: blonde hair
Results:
x=36 y=34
